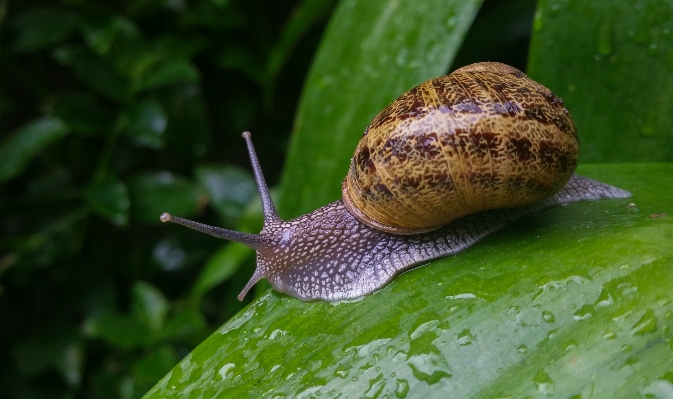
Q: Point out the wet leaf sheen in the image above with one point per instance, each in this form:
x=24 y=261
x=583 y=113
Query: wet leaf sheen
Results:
x=571 y=301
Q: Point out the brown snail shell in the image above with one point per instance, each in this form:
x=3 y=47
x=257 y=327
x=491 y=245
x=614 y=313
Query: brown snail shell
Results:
x=484 y=137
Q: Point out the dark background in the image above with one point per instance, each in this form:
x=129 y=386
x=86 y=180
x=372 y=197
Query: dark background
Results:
x=140 y=106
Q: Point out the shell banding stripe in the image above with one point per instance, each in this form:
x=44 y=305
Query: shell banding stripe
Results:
x=462 y=143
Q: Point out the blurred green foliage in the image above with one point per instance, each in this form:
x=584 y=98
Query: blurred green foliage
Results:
x=110 y=114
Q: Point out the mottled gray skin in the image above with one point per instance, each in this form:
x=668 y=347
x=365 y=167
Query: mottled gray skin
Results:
x=328 y=254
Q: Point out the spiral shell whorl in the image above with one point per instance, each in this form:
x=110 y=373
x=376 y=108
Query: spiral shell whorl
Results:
x=483 y=137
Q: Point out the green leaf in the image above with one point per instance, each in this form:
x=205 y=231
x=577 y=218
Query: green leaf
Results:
x=220 y=267
x=615 y=73
x=400 y=45
x=241 y=58
x=61 y=349
x=571 y=300
x=26 y=143
x=149 y=305
x=169 y=254
x=83 y=114
x=305 y=14
x=187 y=324
x=110 y=198
x=145 y=123
x=154 y=365
x=166 y=72
x=42 y=27
x=94 y=72
x=187 y=112
x=120 y=330
x=155 y=193
x=120 y=41
x=229 y=187
x=148 y=324
x=180 y=46
x=55 y=239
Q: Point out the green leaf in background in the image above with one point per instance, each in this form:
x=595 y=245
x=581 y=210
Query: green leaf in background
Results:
x=153 y=366
x=148 y=323
x=614 y=71
x=400 y=44
x=110 y=198
x=154 y=193
x=166 y=72
x=187 y=323
x=42 y=27
x=26 y=143
x=94 y=72
x=302 y=18
x=145 y=123
x=572 y=301
x=187 y=112
x=230 y=189
x=56 y=239
x=149 y=305
x=119 y=330
x=220 y=267
x=83 y=114
x=240 y=58
x=169 y=254
x=119 y=40
x=61 y=349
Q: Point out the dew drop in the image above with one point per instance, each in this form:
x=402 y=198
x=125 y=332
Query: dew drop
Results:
x=571 y=344
x=604 y=40
x=544 y=383
x=376 y=385
x=523 y=349
x=647 y=324
x=452 y=21
x=341 y=372
x=552 y=334
x=224 y=371
x=653 y=48
x=627 y=348
x=609 y=335
x=659 y=389
x=585 y=312
x=548 y=316
x=430 y=369
x=554 y=9
x=538 y=20
x=402 y=388
x=465 y=338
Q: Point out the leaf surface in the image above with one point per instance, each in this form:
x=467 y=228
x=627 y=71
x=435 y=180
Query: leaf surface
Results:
x=26 y=143
x=572 y=301
x=614 y=72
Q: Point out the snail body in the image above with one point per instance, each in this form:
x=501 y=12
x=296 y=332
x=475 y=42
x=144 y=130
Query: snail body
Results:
x=467 y=152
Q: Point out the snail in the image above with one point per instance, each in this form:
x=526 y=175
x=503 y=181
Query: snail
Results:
x=447 y=163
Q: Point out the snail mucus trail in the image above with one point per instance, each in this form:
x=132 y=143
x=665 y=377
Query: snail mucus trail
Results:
x=456 y=127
